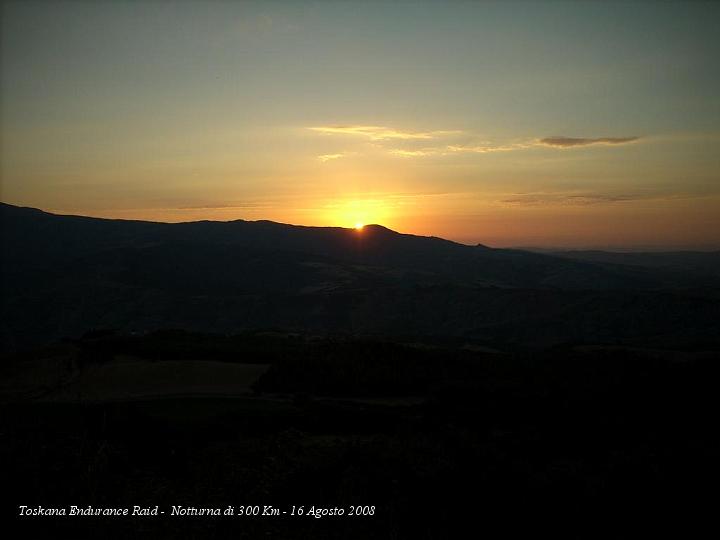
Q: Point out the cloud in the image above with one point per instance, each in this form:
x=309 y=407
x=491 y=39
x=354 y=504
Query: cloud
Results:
x=329 y=157
x=482 y=148
x=219 y=206
x=569 y=142
x=380 y=133
x=568 y=199
x=487 y=148
x=414 y=153
x=420 y=144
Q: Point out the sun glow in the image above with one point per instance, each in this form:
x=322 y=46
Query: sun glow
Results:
x=357 y=213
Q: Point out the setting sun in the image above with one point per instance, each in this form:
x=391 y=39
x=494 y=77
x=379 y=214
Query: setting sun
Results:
x=358 y=212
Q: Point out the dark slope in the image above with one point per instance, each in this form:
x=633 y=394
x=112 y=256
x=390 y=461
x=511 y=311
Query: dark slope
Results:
x=698 y=265
x=63 y=275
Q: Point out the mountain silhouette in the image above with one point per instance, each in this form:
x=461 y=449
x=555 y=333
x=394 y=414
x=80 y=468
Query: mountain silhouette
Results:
x=64 y=275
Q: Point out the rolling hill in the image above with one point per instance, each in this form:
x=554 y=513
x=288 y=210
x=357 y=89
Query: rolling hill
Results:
x=64 y=275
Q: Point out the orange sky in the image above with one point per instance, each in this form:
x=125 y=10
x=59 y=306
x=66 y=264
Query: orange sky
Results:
x=545 y=124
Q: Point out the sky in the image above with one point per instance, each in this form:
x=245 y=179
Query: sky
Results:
x=549 y=124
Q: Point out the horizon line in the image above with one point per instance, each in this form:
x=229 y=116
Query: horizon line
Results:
x=465 y=241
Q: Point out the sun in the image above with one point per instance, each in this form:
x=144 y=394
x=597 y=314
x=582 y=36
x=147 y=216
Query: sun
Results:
x=356 y=213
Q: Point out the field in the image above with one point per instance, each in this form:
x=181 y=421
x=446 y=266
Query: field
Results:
x=131 y=379
x=438 y=439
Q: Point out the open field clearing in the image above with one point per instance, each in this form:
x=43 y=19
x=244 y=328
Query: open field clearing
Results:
x=134 y=379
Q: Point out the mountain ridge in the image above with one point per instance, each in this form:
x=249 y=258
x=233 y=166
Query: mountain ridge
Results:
x=63 y=275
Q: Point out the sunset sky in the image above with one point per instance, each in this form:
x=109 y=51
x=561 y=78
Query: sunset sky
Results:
x=574 y=124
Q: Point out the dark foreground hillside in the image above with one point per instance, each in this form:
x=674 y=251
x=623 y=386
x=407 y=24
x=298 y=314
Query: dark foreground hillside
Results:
x=444 y=441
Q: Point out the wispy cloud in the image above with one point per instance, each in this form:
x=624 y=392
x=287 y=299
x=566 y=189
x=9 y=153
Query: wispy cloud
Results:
x=218 y=206
x=487 y=148
x=569 y=142
x=569 y=199
x=380 y=133
x=414 y=153
x=481 y=148
x=420 y=144
x=329 y=157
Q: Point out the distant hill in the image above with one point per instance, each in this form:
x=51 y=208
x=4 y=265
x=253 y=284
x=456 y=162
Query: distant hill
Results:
x=63 y=275
x=704 y=265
